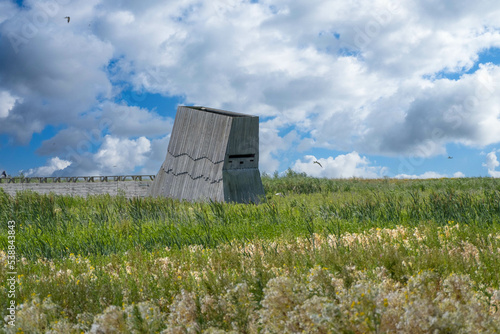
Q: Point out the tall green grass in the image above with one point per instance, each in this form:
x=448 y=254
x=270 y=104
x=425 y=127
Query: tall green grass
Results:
x=50 y=226
x=80 y=256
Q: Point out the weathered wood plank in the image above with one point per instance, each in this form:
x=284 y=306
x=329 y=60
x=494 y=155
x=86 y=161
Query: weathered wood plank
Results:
x=205 y=143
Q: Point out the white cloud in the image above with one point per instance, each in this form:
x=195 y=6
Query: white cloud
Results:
x=492 y=163
x=56 y=68
x=7 y=102
x=71 y=141
x=342 y=166
x=323 y=78
x=7 y=10
x=115 y=155
x=464 y=111
x=54 y=165
x=271 y=146
x=131 y=121
x=426 y=175
x=429 y=175
x=118 y=156
x=363 y=75
x=156 y=156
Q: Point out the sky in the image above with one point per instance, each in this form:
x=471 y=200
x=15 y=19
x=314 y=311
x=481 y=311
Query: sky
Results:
x=368 y=88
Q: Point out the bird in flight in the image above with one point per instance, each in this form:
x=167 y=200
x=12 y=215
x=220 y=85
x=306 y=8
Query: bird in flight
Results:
x=450 y=157
x=317 y=162
x=67 y=18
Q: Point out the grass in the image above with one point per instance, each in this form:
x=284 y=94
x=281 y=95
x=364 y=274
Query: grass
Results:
x=221 y=267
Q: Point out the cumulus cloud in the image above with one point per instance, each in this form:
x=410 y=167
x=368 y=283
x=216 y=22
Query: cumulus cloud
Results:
x=54 y=166
x=272 y=145
x=426 y=175
x=68 y=142
x=55 y=67
x=365 y=75
x=131 y=121
x=355 y=75
x=429 y=175
x=156 y=156
x=121 y=155
x=114 y=154
x=492 y=163
x=342 y=166
x=7 y=102
x=7 y=10
x=464 y=111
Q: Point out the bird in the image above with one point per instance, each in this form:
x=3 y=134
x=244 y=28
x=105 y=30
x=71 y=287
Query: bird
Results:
x=4 y=174
x=317 y=162
x=450 y=157
x=67 y=18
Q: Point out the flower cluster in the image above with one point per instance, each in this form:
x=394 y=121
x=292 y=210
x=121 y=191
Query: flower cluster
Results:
x=317 y=302
x=268 y=287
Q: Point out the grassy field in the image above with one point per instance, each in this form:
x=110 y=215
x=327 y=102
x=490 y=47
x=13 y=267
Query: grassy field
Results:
x=328 y=256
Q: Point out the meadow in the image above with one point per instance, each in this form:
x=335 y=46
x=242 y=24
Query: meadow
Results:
x=325 y=256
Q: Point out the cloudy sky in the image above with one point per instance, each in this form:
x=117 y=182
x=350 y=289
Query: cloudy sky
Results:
x=369 y=88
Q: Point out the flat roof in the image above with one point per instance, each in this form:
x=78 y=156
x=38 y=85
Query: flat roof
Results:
x=219 y=111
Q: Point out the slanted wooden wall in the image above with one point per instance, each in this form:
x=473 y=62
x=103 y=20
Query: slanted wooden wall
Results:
x=212 y=154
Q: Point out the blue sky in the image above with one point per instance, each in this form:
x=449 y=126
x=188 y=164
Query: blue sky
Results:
x=368 y=88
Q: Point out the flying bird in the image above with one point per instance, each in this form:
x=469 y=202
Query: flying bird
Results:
x=67 y=18
x=450 y=157
x=317 y=162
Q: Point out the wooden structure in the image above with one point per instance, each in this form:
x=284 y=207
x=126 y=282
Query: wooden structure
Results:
x=74 y=179
x=129 y=186
x=212 y=155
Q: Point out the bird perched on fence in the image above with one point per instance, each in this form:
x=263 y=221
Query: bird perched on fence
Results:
x=317 y=162
x=67 y=18
x=4 y=174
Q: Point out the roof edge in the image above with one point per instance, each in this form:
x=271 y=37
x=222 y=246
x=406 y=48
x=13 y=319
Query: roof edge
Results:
x=218 y=111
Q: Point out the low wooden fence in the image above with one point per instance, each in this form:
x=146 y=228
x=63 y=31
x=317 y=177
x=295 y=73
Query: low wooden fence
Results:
x=128 y=185
x=60 y=179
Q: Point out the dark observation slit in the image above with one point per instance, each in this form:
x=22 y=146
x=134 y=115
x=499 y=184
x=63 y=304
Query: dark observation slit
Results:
x=240 y=156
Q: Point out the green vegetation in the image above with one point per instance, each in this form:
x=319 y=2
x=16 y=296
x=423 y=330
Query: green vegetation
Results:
x=349 y=256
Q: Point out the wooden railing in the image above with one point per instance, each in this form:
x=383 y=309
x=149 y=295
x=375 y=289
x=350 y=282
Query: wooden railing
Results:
x=61 y=179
